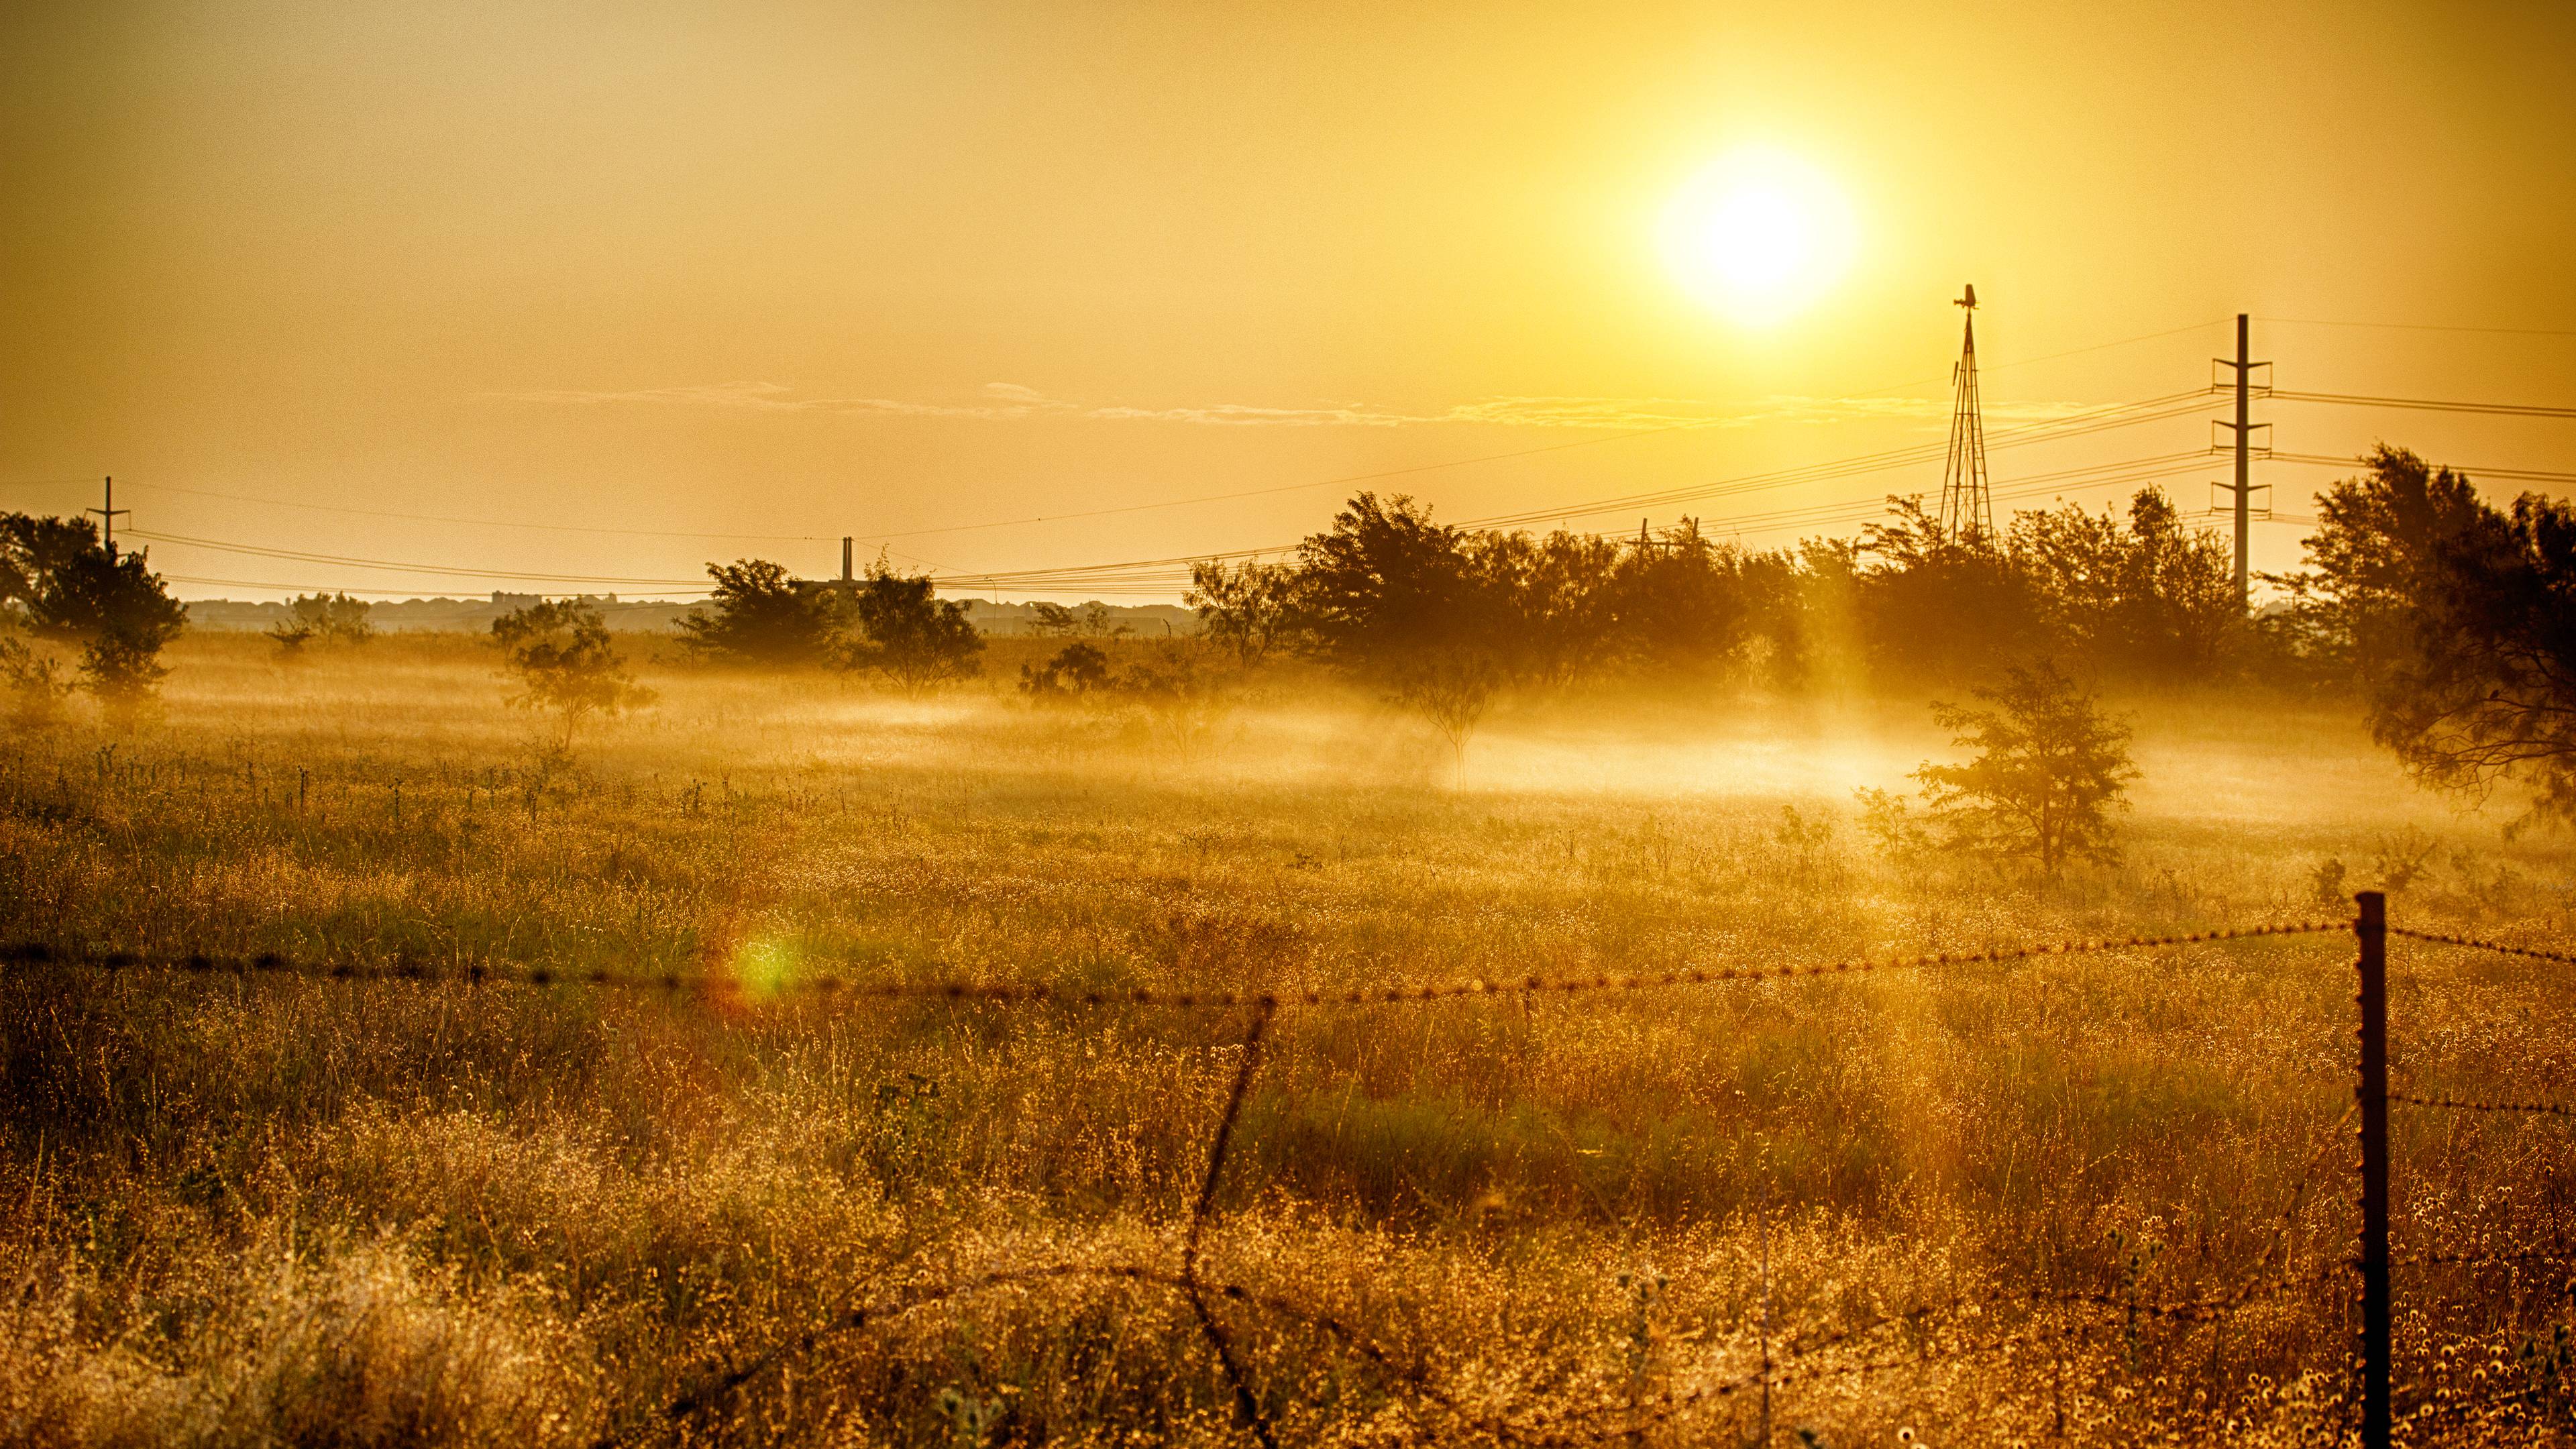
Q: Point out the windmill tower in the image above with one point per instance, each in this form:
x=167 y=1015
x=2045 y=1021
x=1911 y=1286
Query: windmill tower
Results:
x=1967 y=512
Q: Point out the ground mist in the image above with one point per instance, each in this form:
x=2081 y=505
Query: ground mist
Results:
x=278 y=1209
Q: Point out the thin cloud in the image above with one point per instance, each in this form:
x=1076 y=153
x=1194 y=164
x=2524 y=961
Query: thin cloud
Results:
x=1008 y=401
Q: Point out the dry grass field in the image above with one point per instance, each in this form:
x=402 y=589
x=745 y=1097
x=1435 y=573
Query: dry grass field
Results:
x=2093 y=1199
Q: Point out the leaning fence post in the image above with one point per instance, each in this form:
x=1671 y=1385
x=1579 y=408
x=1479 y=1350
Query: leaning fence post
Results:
x=2372 y=1095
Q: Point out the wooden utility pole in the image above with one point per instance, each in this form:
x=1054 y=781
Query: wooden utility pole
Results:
x=2372 y=1097
x=107 y=516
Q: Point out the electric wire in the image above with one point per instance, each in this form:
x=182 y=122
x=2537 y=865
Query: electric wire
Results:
x=2421 y=327
x=451 y=570
x=2420 y=404
x=2519 y=475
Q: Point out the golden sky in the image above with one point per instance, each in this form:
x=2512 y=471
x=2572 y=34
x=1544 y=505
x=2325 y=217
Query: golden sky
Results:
x=815 y=269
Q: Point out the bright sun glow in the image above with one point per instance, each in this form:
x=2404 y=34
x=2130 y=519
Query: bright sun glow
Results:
x=1759 y=237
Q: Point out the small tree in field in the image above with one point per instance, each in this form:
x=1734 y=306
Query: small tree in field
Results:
x=334 y=617
x=34 y=680
x=567 y=665
x=903 y=633
x=1453 y=694
x=2049 y=770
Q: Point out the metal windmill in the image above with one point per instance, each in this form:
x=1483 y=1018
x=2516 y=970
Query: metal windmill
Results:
x=1967 y=510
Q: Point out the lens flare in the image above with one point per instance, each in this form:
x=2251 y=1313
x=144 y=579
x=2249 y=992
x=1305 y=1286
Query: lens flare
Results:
x=765 y=965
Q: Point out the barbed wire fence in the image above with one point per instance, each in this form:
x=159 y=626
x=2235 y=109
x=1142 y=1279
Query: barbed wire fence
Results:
x=1627 y=1417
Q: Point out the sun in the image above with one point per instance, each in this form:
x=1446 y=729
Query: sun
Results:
x=1759 y=237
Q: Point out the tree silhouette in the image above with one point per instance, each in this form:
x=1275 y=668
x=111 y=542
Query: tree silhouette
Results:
x=1078 y=671
x=1251 y=608
x=60 y=580
x=567 y=664
x=760 y=614
x=2144 y=596
x=2050 y=768
x=902 y=632
x=2461 y=621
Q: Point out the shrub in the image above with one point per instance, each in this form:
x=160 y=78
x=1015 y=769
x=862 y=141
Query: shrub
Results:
x=1077 y=671
x=334 y=617
x=900 y=631
x=2049 y=770
x=566 y=663
x=1453 y=695
x=35 y=683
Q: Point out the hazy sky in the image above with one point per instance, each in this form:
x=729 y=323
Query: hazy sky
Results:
x=816 y=269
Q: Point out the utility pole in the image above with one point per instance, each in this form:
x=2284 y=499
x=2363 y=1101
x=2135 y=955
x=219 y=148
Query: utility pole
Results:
x=847 y=580
x=107 y=516
x=2371 y=1095
x=2242 y=493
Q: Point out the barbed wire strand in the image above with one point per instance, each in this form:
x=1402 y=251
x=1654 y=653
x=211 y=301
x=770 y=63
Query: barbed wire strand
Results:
x=37 y=953
x=2471 y=1104
x=2442 y=938
x=2455 y=1260
x=1190 y=1283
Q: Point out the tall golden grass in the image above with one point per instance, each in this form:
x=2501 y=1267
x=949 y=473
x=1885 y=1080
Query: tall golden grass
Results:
x=277 y=1209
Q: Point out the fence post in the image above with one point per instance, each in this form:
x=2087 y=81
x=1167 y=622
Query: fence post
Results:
x=2372 y=1095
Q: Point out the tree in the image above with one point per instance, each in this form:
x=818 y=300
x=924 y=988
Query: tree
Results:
x=567 y=664
x=908 y=636
x=322 y=616
x=2456 y=619
x=34 y=680
x=1052 y=621
x=1539 y=610
x=1386 y=588
x=2483 y=688
x=1453 y=694
x=1932 y=607
x=1057 y=621
x=2371 y=563
x=59 y=579
x=1077 y=672
x=761 y=615
x=35 y=551
x=2146 y=596
x=1250 y=608
x=1687 y=604
x=2050 y=768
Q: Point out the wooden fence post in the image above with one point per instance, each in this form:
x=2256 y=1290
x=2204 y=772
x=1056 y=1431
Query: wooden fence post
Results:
x=2372 y=1095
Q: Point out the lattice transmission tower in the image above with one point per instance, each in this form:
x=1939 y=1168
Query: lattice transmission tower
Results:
x=1967 y=510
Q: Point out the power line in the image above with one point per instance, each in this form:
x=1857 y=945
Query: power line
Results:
x=379 y=593
x=2519 y=475
x=2423 y=327
x=482 y=522
x=2514 y=410
x=298 y=556
x=1160 y=574
x=1145 y=574
x=2115 y=415
x=1693 y=426
x=1342 y=481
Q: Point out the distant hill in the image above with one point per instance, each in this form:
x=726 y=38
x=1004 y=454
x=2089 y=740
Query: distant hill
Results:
x=638 y=616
